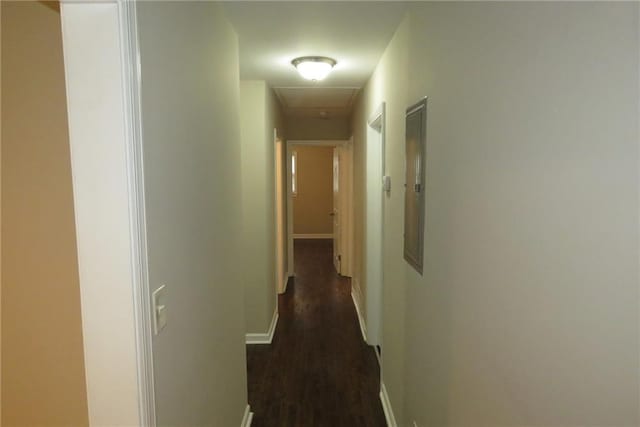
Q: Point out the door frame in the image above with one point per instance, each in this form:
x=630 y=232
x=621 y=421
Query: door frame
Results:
x=282 y=272
x=290 y=145
x=346 y=203
x=102 y=61
x=374 y=299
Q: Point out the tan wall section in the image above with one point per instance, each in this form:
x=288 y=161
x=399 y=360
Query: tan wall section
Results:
x=314 y=201
x=43 y=380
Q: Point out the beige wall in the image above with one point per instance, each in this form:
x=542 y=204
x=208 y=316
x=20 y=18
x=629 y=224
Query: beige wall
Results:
x=276 y=120
x=260 y=113
x=0 y=220
x=527 y=310
x=385 y=85
x=314 y=201
x=255 y=219
x=190 y=113
x=531 y=290
x=335 y=128
x=43 y=381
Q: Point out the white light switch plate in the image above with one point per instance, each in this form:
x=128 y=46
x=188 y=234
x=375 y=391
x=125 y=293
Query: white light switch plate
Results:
x=159 y=310
x=386 y=183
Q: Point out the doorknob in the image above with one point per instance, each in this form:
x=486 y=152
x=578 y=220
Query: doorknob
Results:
x=332 y=214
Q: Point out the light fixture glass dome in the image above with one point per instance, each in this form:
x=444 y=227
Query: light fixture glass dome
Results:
x=313 y=67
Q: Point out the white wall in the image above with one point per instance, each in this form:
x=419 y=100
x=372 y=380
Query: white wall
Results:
x=527 y=310
x=387 y=84
x=0 y=231
x=260 y=113
x=257 y=204
x=276 y=120
x=99 y=165
x=190 y=106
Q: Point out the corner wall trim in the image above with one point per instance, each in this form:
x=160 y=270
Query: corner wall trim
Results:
x=386 y=406
x=135 y=169
x=356 y=303
x=247 y=418
x=101 y=57
x=313 y=236
x=267 y=337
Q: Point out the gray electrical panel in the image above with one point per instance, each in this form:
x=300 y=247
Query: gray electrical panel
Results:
x=414 y=196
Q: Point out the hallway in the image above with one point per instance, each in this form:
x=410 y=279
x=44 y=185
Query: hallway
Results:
x=318 y=371
x=486 y=213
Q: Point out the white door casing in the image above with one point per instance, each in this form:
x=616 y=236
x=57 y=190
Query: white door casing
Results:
x=281 y=273
x=337 y=211
x=374 y=231
x=347 y=212
x=346 y=203
x=342 y=208
x=101 y=58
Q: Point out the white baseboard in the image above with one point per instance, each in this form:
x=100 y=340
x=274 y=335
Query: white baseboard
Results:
x=267 y=337
x=375 y=350
x=247 y=418
x=286 y=282
x=386 y=406
x=356 y=302
x=313 y=236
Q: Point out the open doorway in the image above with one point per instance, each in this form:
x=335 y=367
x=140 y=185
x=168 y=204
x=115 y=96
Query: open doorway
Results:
x=319 y=184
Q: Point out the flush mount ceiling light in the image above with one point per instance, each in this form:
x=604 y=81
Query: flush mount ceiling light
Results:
x=313 y=67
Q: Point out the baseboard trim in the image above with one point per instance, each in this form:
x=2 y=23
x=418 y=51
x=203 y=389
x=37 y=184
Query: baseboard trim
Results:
x=386 y=406
x=313 y=236
x=286 y=282
x=247 y=418
x=356 y=303
x=375 y=350
x=265 y=338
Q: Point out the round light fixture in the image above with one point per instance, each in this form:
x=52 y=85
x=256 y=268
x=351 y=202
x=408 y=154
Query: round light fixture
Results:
x=313 y=67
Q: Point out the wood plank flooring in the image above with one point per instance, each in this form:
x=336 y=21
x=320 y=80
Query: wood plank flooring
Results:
x=318 y=371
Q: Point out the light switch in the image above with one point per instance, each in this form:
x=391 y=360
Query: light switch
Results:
x=159 y=310
x=161 y=316
x=386 y=183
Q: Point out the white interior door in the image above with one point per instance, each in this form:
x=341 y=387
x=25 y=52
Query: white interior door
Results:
x=337 y=212
x=374 y=227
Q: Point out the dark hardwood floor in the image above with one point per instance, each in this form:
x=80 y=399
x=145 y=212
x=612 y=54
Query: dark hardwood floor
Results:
x=318 y=371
